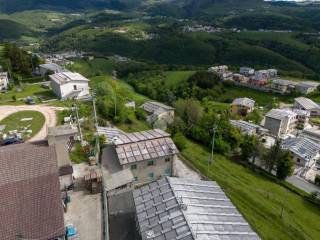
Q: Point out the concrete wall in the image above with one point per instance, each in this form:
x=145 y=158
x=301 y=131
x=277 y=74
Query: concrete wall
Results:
x=273 y=125
x=56 y=89
x=61 y=147
x=159 y=169
x=68 y=88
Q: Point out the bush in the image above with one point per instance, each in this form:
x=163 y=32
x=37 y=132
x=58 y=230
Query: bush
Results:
x=140 y=114
x=180 y=141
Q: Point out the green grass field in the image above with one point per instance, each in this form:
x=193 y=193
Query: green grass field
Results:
x=13 y=122
x=175 y=77
x=36 y=91
x=259 y=199
x=95 y=67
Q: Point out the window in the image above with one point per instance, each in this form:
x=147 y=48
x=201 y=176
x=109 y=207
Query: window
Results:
x=135 y=179
x=133 y=167
x=150 y=163
x=167 y=172
x=298 y=160
x=167 y=159
x=74 y=87
x=151 y=176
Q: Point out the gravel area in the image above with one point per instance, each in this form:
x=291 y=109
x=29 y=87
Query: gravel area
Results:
x=49 y=113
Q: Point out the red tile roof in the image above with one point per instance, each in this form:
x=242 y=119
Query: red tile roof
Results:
x=30 y=203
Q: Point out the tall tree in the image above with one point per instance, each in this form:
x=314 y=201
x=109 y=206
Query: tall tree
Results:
x=271 y=156
x=285 y=165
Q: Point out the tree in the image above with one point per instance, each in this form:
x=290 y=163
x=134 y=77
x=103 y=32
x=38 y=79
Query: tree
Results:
x=317 y=180
x=248 y=147
x=285 y=165
x=271 y=156
x=180 y=140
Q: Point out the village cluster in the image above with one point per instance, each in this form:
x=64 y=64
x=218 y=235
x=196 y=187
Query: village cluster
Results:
x=137 y=173
x=266 y=80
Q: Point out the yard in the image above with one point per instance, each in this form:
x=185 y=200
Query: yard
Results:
x=29 y=123
x=36 y=91
x=259 y=199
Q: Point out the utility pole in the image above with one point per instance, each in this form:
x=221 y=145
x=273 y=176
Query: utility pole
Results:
x=283 y=203
x=210 y=161
x=94 y=110
x=114 y=77
x=77 y=116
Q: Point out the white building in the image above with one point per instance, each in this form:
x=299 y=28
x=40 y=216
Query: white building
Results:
x=280 y=121
x=304 y=151
x=69 y=85
x=247 y=71
x=50 y=68
x=4 y=81
x=308 y=105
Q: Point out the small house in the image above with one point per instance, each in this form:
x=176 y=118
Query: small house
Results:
x=305 y=152
x=50 y=68
x=242 y=106
x=307 y=87
x=247 y=71
x=158 y=112
x=282 y=85
x=248 y=128
x=308 y=105
x=69 y=85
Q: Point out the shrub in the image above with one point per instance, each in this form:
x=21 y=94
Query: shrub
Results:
x=180 y=141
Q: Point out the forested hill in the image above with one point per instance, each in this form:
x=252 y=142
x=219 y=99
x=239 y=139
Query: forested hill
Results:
x=165 y=7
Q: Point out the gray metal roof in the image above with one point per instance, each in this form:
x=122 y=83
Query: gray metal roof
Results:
x=155 y=107
x=118 y=179
x=280 y=114
x=52 y=67
x=308 y=84
x=140 y=146
x=283 y=82
x=306 y=103
x=65 y=77
x=244 y=102
x=247 y=127
x=177 y=208
x=111 y=133
x=303 y=147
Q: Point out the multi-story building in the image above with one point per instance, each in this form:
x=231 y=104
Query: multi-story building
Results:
x=282 y=86
x=148 y=154
x=242 y=106
x=280 y=121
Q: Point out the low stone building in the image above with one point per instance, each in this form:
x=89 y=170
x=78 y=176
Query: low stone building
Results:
x=148 y=154
x=30 y=199
x=282 y=85
x=158 y=113
x=307 y=87
x=186 y=209
x=242 y=106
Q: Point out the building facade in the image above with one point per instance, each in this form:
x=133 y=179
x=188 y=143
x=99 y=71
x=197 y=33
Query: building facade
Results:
x=242 y=106
x=308 y=105
x=4 y=81
x=280 y=121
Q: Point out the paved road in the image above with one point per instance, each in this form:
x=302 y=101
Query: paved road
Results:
x=303 y=184
x=49 y=113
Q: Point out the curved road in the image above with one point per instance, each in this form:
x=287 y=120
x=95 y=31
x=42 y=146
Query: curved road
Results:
x=49 y=112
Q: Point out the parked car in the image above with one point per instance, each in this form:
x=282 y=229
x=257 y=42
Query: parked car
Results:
x=10 y=141
x=30 y=101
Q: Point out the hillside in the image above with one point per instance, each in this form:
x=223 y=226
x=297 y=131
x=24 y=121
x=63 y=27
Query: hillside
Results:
x=12 y=30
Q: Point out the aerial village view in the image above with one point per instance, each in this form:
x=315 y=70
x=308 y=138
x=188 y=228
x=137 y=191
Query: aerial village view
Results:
x=159 y=120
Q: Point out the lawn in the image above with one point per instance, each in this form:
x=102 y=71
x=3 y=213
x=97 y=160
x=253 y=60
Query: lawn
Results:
x=13 y=122
x=36 y=91
x=262 y=98
x=95 y=67
x=259 y=199
x=175 y=77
